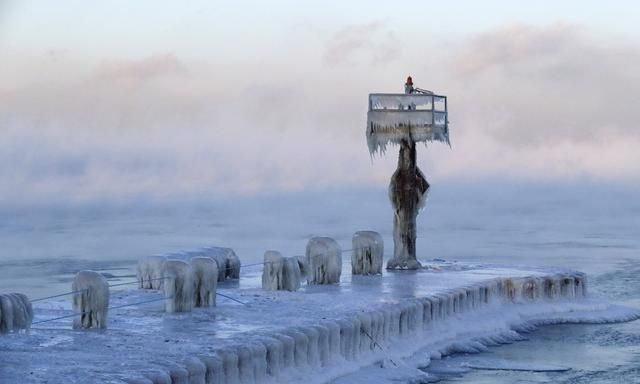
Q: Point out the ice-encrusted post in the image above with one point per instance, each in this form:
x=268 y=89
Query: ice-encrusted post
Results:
x=324 y=261
x=407 y=192
x=403 y=120
x=90 y=300
x=367 y=254
x=178 y=286
x=16 y=312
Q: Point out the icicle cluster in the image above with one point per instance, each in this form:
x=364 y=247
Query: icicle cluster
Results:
x=91 y=303
x=149 y=270
x=367 y=253
x=178 y=286
x=280 y=273
x=16 y=313
x=324 y=261
x=205 y=280
x=393 y=118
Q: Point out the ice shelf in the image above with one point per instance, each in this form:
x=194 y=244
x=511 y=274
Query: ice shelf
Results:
x=317 y=334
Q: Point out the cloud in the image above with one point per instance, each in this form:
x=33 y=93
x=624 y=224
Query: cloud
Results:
x=543 y=103
x=144 y=69
x=529 y=86
x=372 y=43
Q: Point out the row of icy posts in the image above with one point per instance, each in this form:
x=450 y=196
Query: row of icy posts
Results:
x=187 y=279
x=194 y=283
x=322 y=263
x=190 y=279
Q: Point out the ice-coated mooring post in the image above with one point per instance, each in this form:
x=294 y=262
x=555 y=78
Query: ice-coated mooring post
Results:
x=405 y=119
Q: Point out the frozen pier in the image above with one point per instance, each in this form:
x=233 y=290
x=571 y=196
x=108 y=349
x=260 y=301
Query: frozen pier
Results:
x=317 y=334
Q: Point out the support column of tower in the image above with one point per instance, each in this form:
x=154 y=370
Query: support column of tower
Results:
x=407 y=191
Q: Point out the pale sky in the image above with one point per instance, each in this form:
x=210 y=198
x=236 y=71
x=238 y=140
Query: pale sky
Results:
x=168 y=99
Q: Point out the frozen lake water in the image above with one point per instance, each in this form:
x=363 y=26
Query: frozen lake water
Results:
x=590 y=228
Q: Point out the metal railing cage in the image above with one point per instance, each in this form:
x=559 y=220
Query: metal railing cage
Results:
x=394 y=117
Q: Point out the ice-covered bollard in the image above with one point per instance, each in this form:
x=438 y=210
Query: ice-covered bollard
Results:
x=581 y=284
x=272 y=274
x=221 y=261
x=324 y=259
x=149 y=272
x=205 y=273
x=91 y=302
x=228 y=262
x=16 y=312
x=302 y=265
x=178 y=286
x=292 y=275
x=366 y=257
x=233 y=265
x=280 y=273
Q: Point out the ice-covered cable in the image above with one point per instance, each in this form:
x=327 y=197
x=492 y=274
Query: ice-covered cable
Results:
x=58 y=295
x=160 y=278
x=231 y=298
x=375 y=343
x=114 y=307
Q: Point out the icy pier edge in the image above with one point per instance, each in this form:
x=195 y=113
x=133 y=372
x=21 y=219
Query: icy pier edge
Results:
x=444 y=322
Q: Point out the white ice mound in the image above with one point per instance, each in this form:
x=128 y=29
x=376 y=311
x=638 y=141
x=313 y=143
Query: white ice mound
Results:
x=324 y=260
x=280 y=273
x=367 y=253
x=149 y=272
x=91 y=303
x=228 y=262
x=205 y=273
x=16 y=313
x=178 y=286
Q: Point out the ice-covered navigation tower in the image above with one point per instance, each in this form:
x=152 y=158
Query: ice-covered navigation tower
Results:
x=405 y=119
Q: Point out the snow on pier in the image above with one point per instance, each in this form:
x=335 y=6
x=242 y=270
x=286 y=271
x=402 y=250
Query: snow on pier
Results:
x=317 y=334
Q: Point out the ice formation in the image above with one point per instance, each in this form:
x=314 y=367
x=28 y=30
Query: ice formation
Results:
x=205 y=273
x=233 y=265
x=368 y=250
x=359 y=337
x=322 y=335
x=404 y=120
x=91 y=303
x=394 y=118
x=280 y=273
x=16 y=312
x=228 y=262
x=178 y=286
x=292 y=274
x=272 y=272
x=324 y=260
x=302 y=265
x=149 y=272
x=408 y=192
